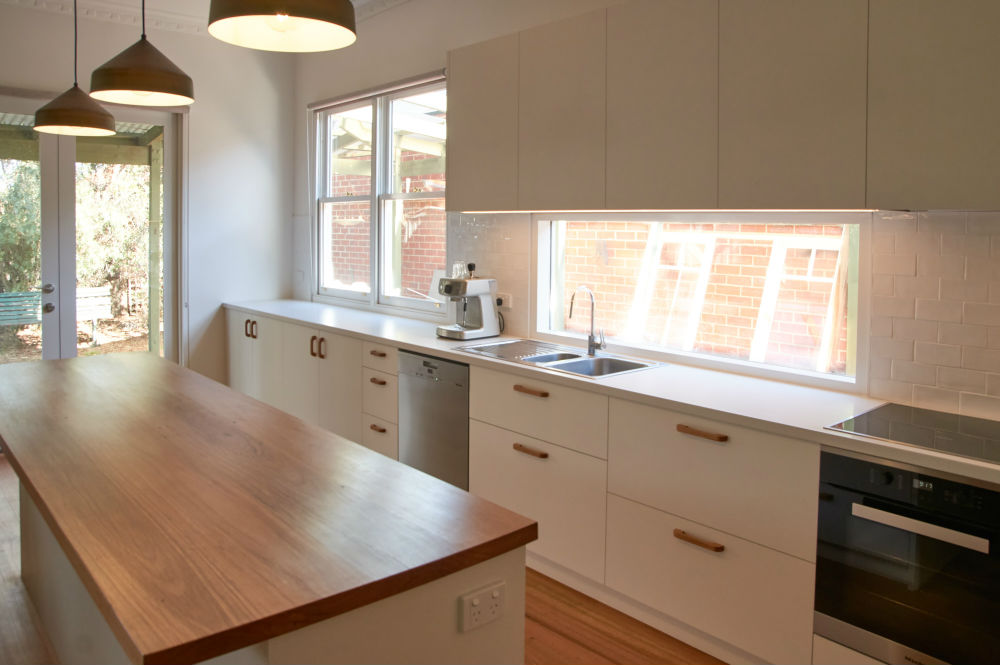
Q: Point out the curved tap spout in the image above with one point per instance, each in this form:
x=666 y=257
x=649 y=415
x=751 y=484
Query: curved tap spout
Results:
x=592 y=344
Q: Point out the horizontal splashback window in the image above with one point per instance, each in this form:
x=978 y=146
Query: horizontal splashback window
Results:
x=778 y=291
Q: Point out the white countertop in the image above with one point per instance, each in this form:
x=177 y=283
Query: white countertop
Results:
x=768 y=405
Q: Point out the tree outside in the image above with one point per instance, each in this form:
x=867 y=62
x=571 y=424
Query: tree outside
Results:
x=112 y=252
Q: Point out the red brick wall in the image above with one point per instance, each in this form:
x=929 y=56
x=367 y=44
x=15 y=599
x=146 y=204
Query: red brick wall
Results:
x=607 y=255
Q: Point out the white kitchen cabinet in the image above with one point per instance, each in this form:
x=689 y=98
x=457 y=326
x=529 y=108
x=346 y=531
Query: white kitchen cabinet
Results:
x=340 y=402
x=313 y=374
x=561 y=114
x=255 y=344
x=381 y=436
x=933 y=105
x=381 y=357
x=792 y=102
x=828 y=652
x=758 y=486
x=563 y=490
x=380 y=394
x=482 y=125
x=569 y=417
x=662 y=105
x=752 y=597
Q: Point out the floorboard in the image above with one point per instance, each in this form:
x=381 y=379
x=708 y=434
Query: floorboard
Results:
x=562 y=626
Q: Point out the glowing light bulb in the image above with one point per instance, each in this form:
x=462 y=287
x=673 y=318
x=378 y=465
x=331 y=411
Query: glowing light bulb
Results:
x=280 y=23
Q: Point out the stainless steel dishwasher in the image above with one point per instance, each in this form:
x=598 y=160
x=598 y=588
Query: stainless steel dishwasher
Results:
x=434 y=417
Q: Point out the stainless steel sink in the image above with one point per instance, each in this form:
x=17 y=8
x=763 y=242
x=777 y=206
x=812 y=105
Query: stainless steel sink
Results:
x=556 y=357
x=600 y=366
x=551 y=357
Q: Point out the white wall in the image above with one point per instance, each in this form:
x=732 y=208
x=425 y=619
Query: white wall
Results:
x=239 y=159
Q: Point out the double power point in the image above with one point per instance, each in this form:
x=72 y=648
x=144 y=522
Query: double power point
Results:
x=481 y=606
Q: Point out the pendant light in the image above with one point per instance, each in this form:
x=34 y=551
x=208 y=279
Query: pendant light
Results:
x=143 y=76
x=73 y=112
x=299 y=26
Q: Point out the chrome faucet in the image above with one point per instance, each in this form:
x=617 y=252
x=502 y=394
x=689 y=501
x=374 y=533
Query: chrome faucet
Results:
x=592 y=345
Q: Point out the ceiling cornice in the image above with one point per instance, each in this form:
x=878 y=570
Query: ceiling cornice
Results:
x=128 y=14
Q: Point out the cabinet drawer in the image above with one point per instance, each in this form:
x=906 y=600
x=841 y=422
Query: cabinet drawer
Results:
x=381 y=436
x=564 y=492
x=380 y=357
x=758 y=486
x=755 y=598
x=379 y=394
x=568 y=417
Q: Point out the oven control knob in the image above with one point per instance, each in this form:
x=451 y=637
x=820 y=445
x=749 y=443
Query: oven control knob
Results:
x=888 y=477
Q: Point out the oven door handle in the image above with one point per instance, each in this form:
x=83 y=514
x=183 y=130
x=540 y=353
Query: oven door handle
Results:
x=934 y=531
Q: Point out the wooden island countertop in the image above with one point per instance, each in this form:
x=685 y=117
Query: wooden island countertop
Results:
x=202 y=521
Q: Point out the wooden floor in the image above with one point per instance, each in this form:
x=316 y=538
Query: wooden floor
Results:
x=563 y=627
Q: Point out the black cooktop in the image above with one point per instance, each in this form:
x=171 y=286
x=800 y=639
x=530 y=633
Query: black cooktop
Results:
x=950 y=433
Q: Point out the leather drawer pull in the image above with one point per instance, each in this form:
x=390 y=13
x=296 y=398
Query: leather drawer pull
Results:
x=312 y=346
x=246 y=328
x=377 y=354
x=321 y=348
x=521 y=448
x=375 y=428
x=531 y=391
x=377 y=382
x=711 y=436
x=680 y=534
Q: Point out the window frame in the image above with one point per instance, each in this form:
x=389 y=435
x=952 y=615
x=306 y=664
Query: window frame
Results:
x=542 y=267
x=379 y=198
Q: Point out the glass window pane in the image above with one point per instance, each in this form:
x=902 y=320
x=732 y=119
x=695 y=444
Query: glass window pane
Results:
x=20 y=241
x=767 y=293
x=419 y=131
x=345 y=241
x=119 y=241
x=350 y=152
x=414 y=247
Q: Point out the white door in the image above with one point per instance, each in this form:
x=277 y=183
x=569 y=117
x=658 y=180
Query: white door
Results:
x=87 y=243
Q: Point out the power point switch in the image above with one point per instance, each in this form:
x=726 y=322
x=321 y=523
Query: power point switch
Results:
x=481 y=606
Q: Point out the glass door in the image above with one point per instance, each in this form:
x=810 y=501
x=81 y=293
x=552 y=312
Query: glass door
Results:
x=20 y=240
x=86 y=240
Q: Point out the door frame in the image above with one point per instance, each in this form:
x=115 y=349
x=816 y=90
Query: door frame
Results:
x=57 y=161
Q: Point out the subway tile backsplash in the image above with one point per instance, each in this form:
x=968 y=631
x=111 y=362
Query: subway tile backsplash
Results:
x=935 y=333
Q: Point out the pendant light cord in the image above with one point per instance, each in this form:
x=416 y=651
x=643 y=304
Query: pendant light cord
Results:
x=76 y=82
x=143 y=19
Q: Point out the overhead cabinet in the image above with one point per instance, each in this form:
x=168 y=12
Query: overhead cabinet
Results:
x=787 y=104
x=792 y=103
x=561 y=118
x=482 y=126
x=933 y=105
x=662 y=105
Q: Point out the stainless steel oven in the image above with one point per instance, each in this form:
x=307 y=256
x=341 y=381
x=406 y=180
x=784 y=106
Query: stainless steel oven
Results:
x=907 y=567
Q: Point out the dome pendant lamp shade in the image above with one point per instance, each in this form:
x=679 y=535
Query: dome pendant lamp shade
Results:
x=297 y=26
x=74 y=113
x=143 y=76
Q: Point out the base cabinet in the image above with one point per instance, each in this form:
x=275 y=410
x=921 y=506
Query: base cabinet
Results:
x=255 y=344
x=563 y=490
x=753 y=597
